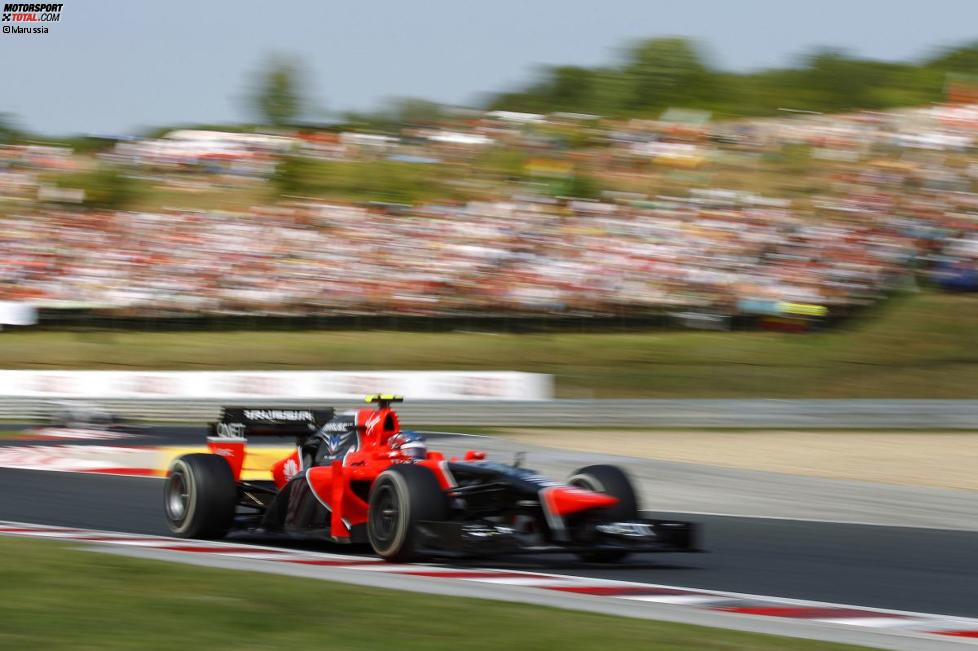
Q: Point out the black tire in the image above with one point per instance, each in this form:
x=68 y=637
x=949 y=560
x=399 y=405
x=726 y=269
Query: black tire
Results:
x=400 y=497
x=613 y=481
x=200 y=496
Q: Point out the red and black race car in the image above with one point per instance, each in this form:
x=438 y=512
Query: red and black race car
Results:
x=356 y=477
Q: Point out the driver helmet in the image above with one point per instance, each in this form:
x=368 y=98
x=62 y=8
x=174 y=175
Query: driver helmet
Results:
x=410 y=444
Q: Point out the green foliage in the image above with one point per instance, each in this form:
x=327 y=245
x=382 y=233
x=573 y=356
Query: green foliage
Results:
x=8 y=131
x=383 y=180
x=397 y=112
x=106 y=187
x=412 y=111
x=963 y=59
x=379 y=122
x=794 y=158
x=665 y=71
x=503 y=162
x=656 y=74
x=57 y=598
x=278 y=93
x=82 y=144
x=580 y=186
x=920 y=346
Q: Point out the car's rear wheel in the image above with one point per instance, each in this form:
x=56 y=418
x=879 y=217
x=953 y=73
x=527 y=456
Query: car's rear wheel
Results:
x=401 y=497
x=613 y=481
x=200 y=496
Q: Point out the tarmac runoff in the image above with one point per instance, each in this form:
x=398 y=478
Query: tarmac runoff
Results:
x=666 y=485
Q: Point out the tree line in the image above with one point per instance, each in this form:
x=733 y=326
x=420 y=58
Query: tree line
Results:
x=656 y=74
x=650 y=76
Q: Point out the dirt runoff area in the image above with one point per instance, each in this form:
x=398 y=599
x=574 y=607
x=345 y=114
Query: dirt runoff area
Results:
x=938 y=459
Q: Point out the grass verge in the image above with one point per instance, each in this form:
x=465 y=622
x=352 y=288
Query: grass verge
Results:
x=920 y=346
x=55 y=598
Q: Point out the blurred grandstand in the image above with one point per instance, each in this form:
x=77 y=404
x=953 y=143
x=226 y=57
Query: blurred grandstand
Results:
x=790 y=222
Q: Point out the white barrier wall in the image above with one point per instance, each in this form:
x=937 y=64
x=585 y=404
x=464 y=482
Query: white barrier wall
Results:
x=276 y=385
x=17 y=313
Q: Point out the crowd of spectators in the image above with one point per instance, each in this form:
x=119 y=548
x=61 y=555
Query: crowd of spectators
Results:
x=873 y=227
x=723 y=251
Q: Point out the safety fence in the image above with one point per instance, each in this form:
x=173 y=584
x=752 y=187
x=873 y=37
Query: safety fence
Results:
x=597 y=414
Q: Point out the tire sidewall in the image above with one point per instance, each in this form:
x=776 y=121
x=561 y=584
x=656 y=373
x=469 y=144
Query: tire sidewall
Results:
x=395 y=482
x=584 y=480
x=190 y=481
x=609 y=480
x=613 y=481
x=212 y=496
x=419 y=497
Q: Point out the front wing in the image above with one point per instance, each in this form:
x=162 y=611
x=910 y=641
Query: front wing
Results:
x=450 y=538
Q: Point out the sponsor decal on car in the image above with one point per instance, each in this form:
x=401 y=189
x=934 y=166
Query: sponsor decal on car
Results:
x=231 y=430
x=277 y=414
x=290 y=469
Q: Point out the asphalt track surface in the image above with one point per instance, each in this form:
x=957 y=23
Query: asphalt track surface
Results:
x=903 y=568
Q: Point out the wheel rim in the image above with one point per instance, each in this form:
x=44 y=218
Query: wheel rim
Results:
x=384 y=515
x=177 y=497
x=581 y=482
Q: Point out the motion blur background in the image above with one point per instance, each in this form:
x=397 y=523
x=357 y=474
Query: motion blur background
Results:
x=730 y=245
x=814 y=184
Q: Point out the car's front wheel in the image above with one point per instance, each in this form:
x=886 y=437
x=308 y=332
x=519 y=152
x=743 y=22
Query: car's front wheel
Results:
x=401 y=497
x=200 y=496
x=613 y=481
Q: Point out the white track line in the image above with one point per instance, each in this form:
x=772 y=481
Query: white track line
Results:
x=862 y=616
x=682 y=599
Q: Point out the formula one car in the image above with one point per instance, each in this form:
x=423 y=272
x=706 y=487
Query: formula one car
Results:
x=81 y=415
x=356 y=477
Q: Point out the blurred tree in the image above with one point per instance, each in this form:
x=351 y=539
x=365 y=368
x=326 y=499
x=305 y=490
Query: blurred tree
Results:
x=581 y=186
x=656 y=74
x=380 y=180
x=841 y=82
x=370 y=121
x=105 y=187
x=663 y=72
x=611 y=92
x=84 y=144
x=396 y=112
x=415 y=111
x=957 y=71
x=963 y=59
x=909 y=85
x=277 y=97
x=521 y=100
x=291 y=173
x=8 y=130
x=570 y=88
x=501 y=162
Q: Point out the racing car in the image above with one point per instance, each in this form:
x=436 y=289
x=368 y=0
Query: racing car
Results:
x=80 y=415
x=357 y=477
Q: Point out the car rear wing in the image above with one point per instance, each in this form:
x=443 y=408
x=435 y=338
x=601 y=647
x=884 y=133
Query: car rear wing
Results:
x=297 y=422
